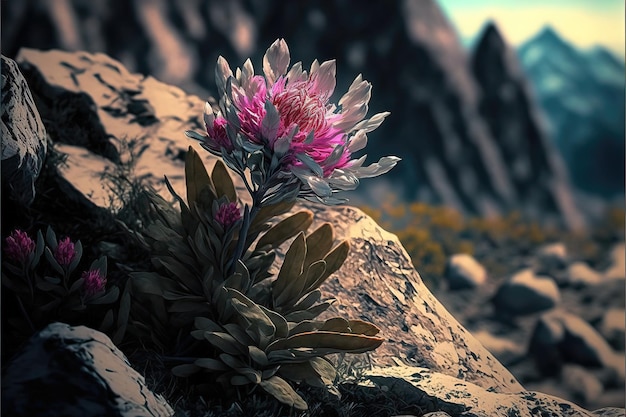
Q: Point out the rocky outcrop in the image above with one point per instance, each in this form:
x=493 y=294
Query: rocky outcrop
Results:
x=76 y=372
x=458 y=398
x=23 y=137
x=451 y=149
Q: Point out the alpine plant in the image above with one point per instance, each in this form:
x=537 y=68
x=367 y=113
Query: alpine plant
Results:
x=282 y=127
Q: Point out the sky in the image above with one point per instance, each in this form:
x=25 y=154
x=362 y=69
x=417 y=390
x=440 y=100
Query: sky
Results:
x=585 y=23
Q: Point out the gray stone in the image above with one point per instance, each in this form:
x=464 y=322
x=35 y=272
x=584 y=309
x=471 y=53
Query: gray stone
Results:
x=583 y=385
x=23 y=136
x=544 y=344
x=617 y=270
x=609 y=412
x=552 y=256
x=462 y=398
x=612 y=327
x=580 y=274
x=525 y=293
x=463 y=271
x=76 y=372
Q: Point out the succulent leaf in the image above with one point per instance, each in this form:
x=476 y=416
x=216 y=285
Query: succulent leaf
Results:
x=223 y=183
x=196 y=177
x=286 y=229
x=282 y=391
x=292 y=265
x=331 y=341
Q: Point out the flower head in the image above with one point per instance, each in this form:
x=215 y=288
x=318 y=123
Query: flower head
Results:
x=19 y=246
x=286 y=114
x=94 y=282
x=227 y=214
x=65 y=252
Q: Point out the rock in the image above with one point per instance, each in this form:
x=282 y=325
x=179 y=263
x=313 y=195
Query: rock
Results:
x=76 y=371
x=584 y=345
x=384 y=289
x=463 y=271
x=545 y=341
x=525 y=293
x=580 y=274
x=612 y=327
x=23 y=136
x=461 y=398
x=515 y=122
x=581 y=383
x=505 y=350
x=561 y=337
x=617 y=270
x=609 y=412
x=552 y=256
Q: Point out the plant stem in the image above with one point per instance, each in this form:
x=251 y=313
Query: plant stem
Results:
x=26 y=316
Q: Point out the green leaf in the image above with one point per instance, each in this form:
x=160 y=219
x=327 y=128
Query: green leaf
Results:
x=306 y=326
x=310 y=313
x=282 y=391
x=292 y=265
x=363 y=327
x=286 y=229
x=184 y=371
x=150 y=283
x=223 y=183
x=301 y=371
x=334 y=260
x=258 y=356
x=203 y=323
x=330 y=341
x=51 y=238
x=269 y=211
x=196 y=176
x=319 y=243
x=211 y=364
x=239 y=334
x=182 y=273
x=53 y=262
x=107 y=321
x=78 y=253
x=261 y=325
x=239 y=380
x=324 y=369
x=76 y=285
x=336 y=324
x=282 y=328
x=225 y=342
x=108 y=298
x=307 y=301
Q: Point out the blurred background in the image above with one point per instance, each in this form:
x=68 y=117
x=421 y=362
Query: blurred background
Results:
x=496 y=106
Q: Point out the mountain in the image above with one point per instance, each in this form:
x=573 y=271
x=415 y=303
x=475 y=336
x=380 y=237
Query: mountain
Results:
x=514 y=122
x=582 y=95
x=452 y=149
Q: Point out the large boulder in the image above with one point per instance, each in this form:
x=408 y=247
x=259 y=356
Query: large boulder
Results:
x=436 y=391
x=76 y=372
x=23 y=136
x=464 y=271
x=526 y=293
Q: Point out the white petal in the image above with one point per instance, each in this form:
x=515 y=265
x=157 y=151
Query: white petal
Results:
x=276 y=60
x=295 y=73
x=373 y=122
x=384 y=165
x=325 y=79
x=358 y=141
x=222 y=73
x=319 y=186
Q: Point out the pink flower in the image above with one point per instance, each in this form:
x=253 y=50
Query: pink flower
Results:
x=227 y=214
x=94 y=282
x=65 y=252
x=19 y=246
x=288 y=115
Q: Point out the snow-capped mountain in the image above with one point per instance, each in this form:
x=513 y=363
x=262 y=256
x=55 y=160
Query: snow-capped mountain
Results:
x=582 y=95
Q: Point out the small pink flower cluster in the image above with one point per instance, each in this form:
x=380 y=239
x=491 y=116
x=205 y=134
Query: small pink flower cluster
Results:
x=227 y=214
x=65 y=252
x=19 y=246
x=94 y=282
